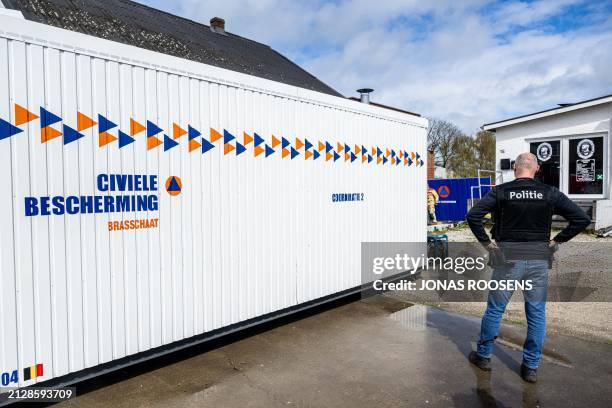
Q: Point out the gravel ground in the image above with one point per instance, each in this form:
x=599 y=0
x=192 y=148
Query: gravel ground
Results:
x=587 y=320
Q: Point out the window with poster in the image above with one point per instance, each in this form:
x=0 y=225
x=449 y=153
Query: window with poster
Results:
x=576 y=165
x=586 y=166
x=549 y=157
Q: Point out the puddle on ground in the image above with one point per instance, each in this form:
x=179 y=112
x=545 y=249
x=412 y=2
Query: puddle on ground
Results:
x=488 y=397
x=547 y=355
x=413 y=317
x=388 y=304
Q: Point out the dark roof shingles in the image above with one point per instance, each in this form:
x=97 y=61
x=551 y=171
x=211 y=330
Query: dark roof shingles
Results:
x=135 y=24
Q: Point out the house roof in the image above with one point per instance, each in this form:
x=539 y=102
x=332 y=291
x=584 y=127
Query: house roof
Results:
x=135 y=24
x=562 y=108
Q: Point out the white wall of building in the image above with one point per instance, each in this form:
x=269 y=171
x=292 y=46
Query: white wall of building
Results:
x=591 y=121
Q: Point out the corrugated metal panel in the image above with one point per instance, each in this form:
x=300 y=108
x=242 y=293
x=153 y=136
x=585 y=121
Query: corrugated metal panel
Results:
x=248 y=234
x=454 y=195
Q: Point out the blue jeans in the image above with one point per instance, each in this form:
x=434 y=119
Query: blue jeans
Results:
x=535 y=309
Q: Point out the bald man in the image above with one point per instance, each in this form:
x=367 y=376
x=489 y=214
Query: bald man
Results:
x=522 y=210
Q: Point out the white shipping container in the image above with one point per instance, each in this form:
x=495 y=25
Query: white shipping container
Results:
x=251 y=199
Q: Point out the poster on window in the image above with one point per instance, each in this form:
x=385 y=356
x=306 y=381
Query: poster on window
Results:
x=586 y=171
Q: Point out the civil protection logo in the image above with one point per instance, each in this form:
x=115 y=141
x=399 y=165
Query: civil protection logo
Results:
x=174 y=185
x=443 y=191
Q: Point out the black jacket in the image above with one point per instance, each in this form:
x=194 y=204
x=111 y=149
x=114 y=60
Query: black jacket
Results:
x=522 y=212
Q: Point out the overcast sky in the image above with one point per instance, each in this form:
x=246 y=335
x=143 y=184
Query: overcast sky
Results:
x=468 y=61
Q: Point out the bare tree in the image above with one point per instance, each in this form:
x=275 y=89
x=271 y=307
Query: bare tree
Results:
x=459 y=153
x=440 y=137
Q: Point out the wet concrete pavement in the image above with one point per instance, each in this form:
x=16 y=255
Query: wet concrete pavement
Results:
x=378 y=352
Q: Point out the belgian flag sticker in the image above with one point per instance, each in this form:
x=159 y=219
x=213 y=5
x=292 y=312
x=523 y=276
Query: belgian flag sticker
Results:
x=30 y=373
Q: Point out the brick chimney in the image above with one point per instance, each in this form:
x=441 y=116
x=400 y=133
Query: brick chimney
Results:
x=217 y=25
x=431 y=166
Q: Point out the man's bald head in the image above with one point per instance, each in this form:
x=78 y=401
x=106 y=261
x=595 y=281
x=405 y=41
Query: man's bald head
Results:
x=526 y=165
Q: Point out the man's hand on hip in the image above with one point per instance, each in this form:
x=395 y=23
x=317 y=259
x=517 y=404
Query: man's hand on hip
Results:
x=553 y=246
x=491 y=246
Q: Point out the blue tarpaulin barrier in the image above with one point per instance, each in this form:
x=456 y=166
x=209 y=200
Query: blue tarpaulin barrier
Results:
x=454 y=195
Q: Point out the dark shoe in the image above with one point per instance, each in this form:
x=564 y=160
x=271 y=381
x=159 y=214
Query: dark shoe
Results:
x=529 y=374
x=483 y=363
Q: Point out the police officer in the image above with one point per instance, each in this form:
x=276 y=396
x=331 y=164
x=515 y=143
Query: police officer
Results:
x=522 y=211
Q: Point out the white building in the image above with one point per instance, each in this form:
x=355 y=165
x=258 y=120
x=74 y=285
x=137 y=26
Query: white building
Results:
x=572 y=143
